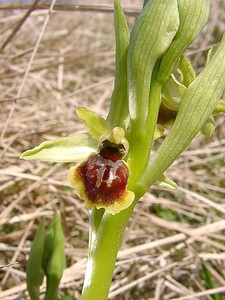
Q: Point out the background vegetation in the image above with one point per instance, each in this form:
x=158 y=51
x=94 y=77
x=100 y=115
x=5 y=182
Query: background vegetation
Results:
x=51 y=63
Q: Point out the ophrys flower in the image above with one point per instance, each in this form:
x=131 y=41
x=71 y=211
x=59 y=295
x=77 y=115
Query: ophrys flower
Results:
x=101 y=175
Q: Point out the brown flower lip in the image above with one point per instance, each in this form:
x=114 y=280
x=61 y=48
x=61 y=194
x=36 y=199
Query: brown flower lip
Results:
x=105 y=175
x=104 y=180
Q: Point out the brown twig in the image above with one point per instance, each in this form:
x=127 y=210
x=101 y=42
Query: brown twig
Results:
x=19 y=25
x=74 y=7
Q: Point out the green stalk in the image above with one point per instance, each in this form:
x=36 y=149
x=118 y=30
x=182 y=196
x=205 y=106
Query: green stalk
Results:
x=142 y=142
x=95 y=221
x=103 y=253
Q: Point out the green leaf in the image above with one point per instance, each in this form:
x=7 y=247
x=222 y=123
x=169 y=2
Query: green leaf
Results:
x=48 y=248
x=118 y=114
x=193 y=15
x=209 y=280
x=55 y=263
x=166 y=214
x=67 y=149
x=34 y=272
x=122 y=41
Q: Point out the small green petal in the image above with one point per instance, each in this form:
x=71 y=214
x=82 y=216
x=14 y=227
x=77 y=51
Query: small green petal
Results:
x=186 y=71
x=173 y=91
x=95 y=125
x=68 y=149
x=209 y=127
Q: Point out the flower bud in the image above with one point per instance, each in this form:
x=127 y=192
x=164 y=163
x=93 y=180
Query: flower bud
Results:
x=193 y=16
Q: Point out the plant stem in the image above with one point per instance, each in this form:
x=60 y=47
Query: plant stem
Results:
x=142 y=141
x=103 y=252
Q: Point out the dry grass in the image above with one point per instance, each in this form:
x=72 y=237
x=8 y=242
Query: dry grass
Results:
x=50 y=65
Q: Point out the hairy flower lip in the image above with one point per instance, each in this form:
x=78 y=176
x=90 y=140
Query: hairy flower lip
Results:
x=102 y=183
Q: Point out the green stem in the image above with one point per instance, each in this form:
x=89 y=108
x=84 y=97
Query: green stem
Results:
x=95 y=220
x=51 y=292
x=141 y=142
x=103 y=253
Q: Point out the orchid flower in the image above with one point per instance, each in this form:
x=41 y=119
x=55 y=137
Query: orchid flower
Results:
x=100 y=177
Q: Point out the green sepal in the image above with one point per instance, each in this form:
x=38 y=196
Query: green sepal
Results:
x=54 y=261
x=95 y=125
x=187 y=72
x=118 y=113
x=174 y=90
x=67 y=149
x=34 y=272
x=172 y=93
x=159 y=131
x=165 y=182
x=209 y=127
